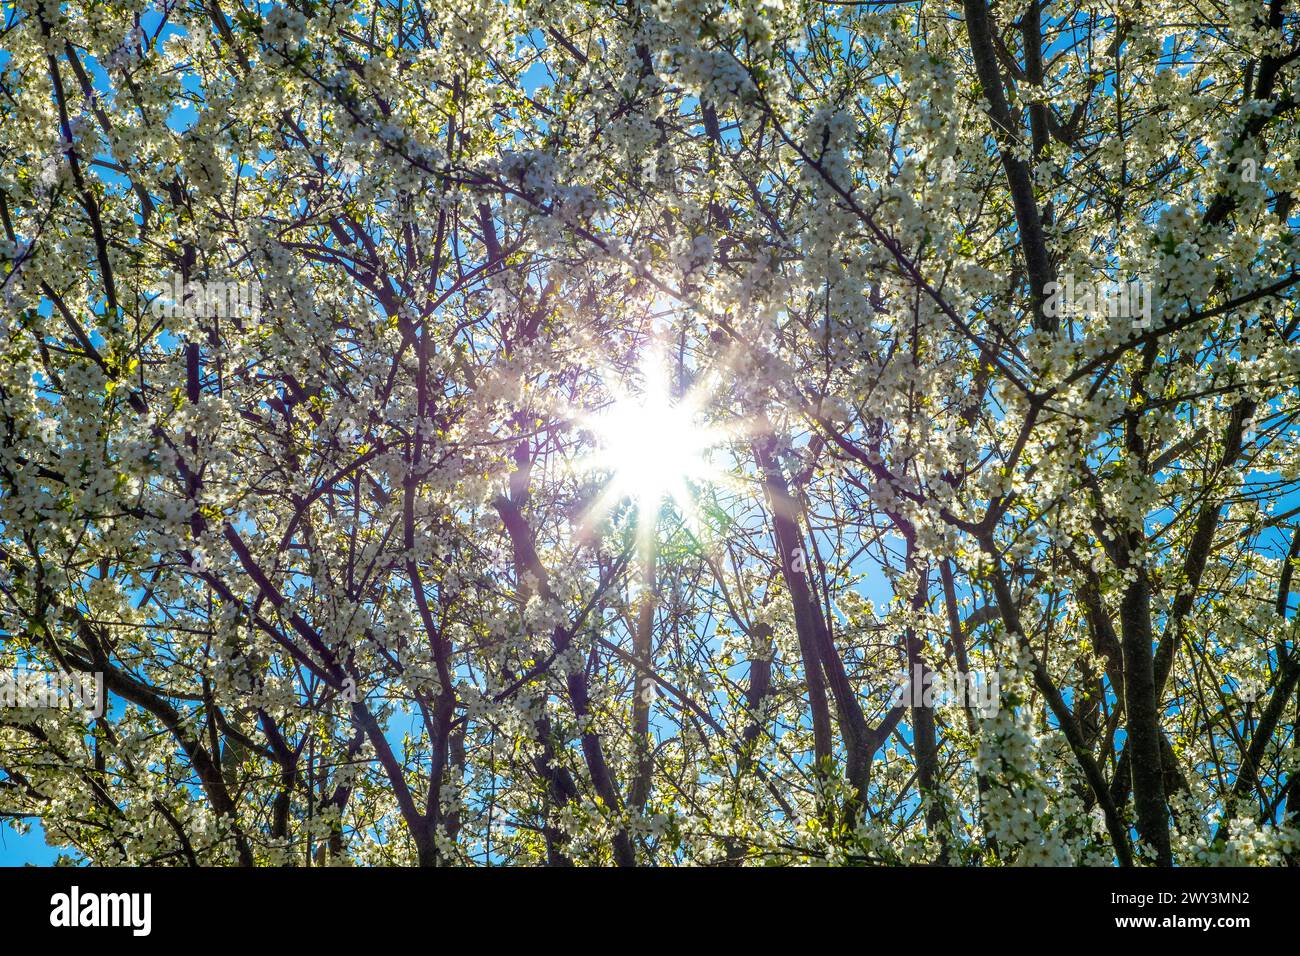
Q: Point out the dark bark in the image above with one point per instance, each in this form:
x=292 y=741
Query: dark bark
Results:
x=1020 y=180
x=1143 y=724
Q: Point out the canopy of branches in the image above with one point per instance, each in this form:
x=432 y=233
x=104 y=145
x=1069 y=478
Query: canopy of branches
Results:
x=586 y=432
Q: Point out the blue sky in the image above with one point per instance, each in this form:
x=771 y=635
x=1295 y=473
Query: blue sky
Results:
x=16 y=849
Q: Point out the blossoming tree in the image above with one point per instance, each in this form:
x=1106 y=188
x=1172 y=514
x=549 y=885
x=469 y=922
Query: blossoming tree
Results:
x=574 y=433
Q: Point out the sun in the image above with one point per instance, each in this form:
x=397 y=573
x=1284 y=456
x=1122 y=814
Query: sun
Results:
x=655 y=447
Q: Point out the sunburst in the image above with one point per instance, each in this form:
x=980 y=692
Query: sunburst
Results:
x=656 y=449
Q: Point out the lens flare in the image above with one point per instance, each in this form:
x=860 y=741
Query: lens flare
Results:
x=654 y=447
